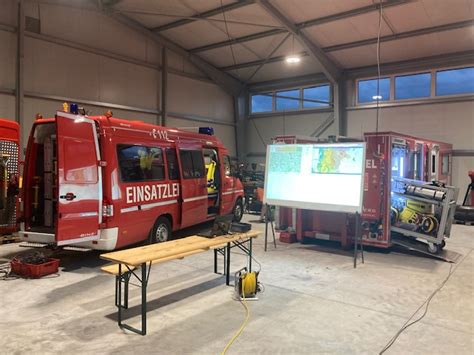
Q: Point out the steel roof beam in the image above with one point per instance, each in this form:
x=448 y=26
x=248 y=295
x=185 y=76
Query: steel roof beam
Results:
x=401 y=35
x=210 y=13
x=224 y=80
x=301 y=25
x=365 y=42
x=330 y=69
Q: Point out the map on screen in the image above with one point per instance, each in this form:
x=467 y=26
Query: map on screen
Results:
x=315 y=176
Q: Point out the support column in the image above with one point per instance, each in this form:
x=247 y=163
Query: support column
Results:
x=19 y=92
x=240 y=119
x=164 y=86
x=340 y=123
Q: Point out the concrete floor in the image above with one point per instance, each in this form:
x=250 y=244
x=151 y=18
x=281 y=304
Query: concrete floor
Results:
x=314 y=302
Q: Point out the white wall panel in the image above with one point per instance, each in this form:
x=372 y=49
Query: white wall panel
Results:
x=225 y=133
x=94 y=29
x=199 y=98
x=448 y=122
x=7 y=106
x=7 y=59
x=8 y=12
x=270 y=127
x=57 y=70
x=128 y=84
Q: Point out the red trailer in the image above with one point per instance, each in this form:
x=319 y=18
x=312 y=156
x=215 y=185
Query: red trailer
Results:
x=104 y=183
x=9 y=175
x=388 y=155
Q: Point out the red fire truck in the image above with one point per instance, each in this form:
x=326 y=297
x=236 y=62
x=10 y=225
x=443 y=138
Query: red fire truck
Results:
x=9 y=175
x=103 y=183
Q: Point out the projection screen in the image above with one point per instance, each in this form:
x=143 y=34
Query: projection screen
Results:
x=328 y=177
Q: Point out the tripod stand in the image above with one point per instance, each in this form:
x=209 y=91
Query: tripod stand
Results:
x=269 y=219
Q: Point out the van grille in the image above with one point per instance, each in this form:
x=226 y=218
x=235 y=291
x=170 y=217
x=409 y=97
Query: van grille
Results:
x=9 y=217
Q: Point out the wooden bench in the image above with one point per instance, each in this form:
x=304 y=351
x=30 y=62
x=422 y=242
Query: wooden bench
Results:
x=129 y=261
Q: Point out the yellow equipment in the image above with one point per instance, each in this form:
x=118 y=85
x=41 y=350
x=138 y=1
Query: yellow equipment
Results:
x=211 y=170
x=419 y=214
x=246 y=284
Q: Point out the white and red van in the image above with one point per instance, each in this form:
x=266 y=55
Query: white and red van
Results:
x=103 y=183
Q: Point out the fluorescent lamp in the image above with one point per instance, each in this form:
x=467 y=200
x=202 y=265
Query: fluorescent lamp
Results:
x=377 y=97
x=293 y=59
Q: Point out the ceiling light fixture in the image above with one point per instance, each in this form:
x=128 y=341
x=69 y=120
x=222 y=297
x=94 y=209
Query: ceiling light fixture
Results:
x=293 y=58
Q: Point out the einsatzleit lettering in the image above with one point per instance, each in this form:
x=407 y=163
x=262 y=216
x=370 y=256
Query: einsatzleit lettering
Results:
x=145 y=193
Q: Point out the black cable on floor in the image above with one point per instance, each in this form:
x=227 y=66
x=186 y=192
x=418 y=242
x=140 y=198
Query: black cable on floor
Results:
x=426 y=304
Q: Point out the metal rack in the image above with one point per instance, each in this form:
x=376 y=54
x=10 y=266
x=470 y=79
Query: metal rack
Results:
x=446 y=207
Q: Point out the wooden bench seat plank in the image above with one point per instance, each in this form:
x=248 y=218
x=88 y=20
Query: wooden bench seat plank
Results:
x=172 y=249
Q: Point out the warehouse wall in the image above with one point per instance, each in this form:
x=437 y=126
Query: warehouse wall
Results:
x=81 y=54
x=448 y=122
x=269 y=127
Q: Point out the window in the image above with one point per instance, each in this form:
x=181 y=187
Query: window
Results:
x=288 y=100
x=318 y=96
x=412 y=86
x=192 y=163
x=455 y=81
x=367 y=90
x=227 y=166
x=172 y=162
x=262 y=103
x=139 y=163
x=445 y=164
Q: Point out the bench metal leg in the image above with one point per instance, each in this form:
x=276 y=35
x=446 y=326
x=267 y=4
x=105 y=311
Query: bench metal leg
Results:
x=215 y=261
x=227 y=261
x=125 y=279
x=145 y=275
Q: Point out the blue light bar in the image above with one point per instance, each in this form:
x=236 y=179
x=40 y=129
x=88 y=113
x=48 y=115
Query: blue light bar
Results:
x=74 y=108
x=206 y=130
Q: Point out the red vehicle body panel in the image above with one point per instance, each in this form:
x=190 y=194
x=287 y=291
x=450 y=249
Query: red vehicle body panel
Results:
x=108 y=211
x=9 y=181
x=376 y=201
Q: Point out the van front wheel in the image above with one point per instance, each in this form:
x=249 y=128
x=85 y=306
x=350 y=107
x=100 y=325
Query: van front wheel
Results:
x=238 y=210
x=161 y=231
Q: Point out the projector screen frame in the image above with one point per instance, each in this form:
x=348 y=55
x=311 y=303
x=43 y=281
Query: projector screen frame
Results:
x=318 y=206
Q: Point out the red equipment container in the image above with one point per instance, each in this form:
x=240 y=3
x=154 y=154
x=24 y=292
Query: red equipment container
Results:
x=34 y=271
x=286 y=237
x=389 y=154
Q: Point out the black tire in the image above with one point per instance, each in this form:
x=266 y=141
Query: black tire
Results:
x=433 y=248
x=238 y=211
x=442 y=245
x=161 y=231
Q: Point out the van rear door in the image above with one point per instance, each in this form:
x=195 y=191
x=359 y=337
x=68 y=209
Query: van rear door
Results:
x=79 y=178
x=193 y=185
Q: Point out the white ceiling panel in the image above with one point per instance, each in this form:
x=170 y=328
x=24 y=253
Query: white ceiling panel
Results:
x=355 y=57
x=442 y=12
x=263 y=46
x=348 y=30
x=282 y=70
x=459 y=40
x=196 y=34
x=253 y=14
x=174 y=9
x=304 y=10
x=408 y=17
x=222 y=57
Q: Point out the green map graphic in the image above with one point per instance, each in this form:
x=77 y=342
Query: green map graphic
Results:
x=286 y=159
x=334 y=160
